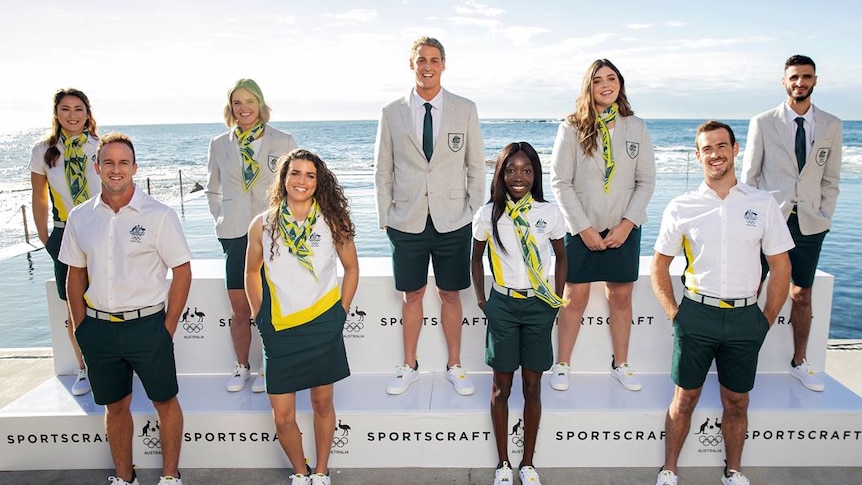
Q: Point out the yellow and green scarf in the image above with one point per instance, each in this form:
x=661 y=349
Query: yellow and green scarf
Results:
x=607 y=117
x=518 y=211
x=76 y=165
x=294 y=235
x=250 y=167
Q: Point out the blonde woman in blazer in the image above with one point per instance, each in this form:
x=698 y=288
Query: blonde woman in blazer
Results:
x=233 y=205
x=807 y=197
x=604 y=210
x=426 y=202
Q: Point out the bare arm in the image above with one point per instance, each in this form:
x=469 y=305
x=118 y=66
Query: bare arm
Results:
x=662 y=285
x=178 y=293
x=561 y=266
x=39 y=202
x=477 y=272
x=350 y=280
x=253 y=263
x=76 y=285
x=778 y=286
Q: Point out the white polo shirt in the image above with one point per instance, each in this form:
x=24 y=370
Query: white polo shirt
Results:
x=508 y=269
x=127 y=254
x=58 y=187
x=722 y=238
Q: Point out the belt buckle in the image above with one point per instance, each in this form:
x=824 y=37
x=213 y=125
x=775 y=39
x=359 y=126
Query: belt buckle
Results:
x=522 y=294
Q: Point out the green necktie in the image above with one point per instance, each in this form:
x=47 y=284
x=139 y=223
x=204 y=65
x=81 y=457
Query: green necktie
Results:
x=428 y=133
x=800 y=142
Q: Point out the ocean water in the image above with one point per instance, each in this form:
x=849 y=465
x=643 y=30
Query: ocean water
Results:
x=167 y=151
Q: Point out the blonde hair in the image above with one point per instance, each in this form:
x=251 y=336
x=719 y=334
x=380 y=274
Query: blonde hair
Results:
x=252 y=87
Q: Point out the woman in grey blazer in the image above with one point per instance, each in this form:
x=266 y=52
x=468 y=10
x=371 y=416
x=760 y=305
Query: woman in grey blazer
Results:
x=603 y=176
x=242 y=167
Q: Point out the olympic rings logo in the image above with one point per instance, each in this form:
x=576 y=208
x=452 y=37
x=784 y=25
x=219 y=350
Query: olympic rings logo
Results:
x=707 y=440
x=152 y=442
x=518 y=441
x=193 y=327
x=353 y=326
x=339 y=441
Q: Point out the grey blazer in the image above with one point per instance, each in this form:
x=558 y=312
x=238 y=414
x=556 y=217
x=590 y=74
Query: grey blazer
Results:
x=769 y=163
x=231 y=206
x=450 y=187
x=578 y=180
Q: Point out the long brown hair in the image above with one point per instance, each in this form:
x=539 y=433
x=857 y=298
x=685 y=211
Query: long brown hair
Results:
x=328 y=194
x=585 y=119
x=53 y=153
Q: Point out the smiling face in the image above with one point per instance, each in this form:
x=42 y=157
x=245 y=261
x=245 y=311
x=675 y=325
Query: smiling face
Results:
x=300 y=182
x=606 y=88
x=245 y=107
x=716 y=153
x=72 y=115
x=116 y=168
x=518 y=175
x=799 y=81
x=428 y=66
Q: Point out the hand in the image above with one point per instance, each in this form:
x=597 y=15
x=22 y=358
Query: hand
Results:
x=618 y=234
x=481 y=304
x=592 y=240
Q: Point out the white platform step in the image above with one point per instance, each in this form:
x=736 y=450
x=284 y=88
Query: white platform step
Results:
x=591 y=425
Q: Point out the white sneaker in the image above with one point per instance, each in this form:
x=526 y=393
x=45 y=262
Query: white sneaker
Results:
x=504 y=475
x=404 y=376
x=259 y=383
x=626 y=376
x=320 y=479
x=82 y=383
x=529 y=476
x=120 y=481
x=237 y=381
x=560 y=376
x=666 y=477
x=735 y=478
x=298 y=479
x=458 y=377
x=807 y=376
x=170 y=481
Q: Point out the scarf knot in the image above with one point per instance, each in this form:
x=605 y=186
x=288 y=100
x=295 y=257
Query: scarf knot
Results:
x=607 y=117
x=250 y=167
x=75 y=165
x=295 y=236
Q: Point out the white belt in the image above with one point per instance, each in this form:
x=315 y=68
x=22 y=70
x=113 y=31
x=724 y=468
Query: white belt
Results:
x=59 y=224
x=721 y=302
x=125 y=316
x=528 y=293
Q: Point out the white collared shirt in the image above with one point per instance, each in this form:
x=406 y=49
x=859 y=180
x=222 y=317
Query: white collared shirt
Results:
x=790 y=118
x=127 y=254
x=509 y=269
x=58 y=186
x=722 y=238
x=417 y=107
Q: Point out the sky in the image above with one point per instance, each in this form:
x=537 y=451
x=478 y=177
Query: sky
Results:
x=158 y=61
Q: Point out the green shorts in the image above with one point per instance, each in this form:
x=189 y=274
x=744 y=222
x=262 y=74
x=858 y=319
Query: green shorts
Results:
x=618 y=265
x=234 y=261
x=730 y=336
x=518 y=333
x=803 y=257
x=114 y=350
x=52 y=246
x=449 y=253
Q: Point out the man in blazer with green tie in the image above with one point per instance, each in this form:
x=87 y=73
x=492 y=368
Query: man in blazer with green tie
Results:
x=429 y=177
x=794 y=151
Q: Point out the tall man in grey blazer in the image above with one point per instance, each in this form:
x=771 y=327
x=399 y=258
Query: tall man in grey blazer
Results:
x=429 y=177
x=794 y=151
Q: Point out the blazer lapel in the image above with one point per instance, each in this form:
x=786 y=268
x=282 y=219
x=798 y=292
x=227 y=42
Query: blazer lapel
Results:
x=781 y=131
x=407 y=121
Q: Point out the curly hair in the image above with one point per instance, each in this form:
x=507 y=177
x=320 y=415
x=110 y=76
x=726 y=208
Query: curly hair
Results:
x=53 y=153
x=585 y=119
x=498 y=184
x=328 y=194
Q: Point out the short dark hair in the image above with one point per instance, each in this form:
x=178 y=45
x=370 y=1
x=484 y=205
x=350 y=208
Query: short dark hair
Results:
x=799 y=60
x=115 y=138
x=713 y=125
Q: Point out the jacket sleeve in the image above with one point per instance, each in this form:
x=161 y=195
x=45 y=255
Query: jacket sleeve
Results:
x=563 y=159
x=644 y=180
x=752 y=158
x=831 y=175
x=214 y=189
x=475 y=158
x=384 y=167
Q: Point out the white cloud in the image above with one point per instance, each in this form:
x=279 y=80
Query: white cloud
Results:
x=469 y=8
x=675 y=23
x=522 y=36
x=476 y=22
x=639 y=26
x=355 y=15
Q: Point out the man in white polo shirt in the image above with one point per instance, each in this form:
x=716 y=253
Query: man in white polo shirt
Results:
x=119 y=246
x=721 y=228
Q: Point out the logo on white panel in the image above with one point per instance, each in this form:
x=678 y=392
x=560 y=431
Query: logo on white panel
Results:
x=517 y=435
x=354 y=324
x=151 y=438
x=192 y=321
x=709 y=435
x=340 y=439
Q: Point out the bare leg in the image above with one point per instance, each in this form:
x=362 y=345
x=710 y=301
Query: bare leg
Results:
x=79 y=358
x=289 y=436
x=119 y=427
x=734 y=425
x=620 y=303
x=800 y=320
x=451 y=316
x=171 y=432
x=677 y=424
x=569 y=319
x=240 y=327
x=324 y=425
x=502 y=388
x=411 y=322
x=532 y=387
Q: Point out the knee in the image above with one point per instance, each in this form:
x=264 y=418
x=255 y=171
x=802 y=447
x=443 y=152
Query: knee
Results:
x=532 y=391
x=735 y=405
x=284 y=420
x=502 y=390
x=800 y=296
x=449 y=297
x=322 y=405
x=683 y=405
x=414 y=297
x=619 y=295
